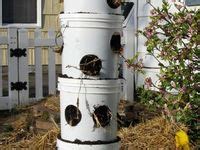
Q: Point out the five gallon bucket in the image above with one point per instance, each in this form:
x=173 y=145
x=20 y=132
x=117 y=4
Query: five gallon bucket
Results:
x=88 y=109
x=95 y=42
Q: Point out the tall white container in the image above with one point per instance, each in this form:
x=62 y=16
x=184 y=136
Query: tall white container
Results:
x=90 y=34
x=91 y=6
x=66 y=145
x=95 y=102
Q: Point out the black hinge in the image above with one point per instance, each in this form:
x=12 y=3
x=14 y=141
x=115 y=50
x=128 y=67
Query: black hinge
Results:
x=18 y=52
x=18 y=86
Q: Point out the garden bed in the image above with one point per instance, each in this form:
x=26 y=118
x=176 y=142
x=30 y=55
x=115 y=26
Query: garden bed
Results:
x=36 y=127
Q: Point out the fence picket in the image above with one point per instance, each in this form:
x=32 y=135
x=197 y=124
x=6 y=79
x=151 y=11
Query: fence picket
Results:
x=23 y=66
x=51 y=66
x=12 y=66
x=1 y=77
x=38 y=68
x=18 y=67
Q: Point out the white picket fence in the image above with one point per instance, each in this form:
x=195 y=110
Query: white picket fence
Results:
x=18 y=68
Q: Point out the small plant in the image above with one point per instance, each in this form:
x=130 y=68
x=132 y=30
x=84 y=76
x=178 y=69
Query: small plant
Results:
x=152 y=99
x=174 y=40
x=134 y=64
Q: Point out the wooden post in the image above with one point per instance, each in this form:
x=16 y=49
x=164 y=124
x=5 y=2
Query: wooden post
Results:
x=38 y=68
x=51 y=66
x=12 y=67
x=23 y=66
x=1 y=79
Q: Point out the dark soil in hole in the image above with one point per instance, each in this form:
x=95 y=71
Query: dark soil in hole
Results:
x=72 y=115
x=115 y=42
x=114 y=3
x=90 y=65
x=102 y=116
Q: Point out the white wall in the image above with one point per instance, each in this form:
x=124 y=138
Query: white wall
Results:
x=143 y=13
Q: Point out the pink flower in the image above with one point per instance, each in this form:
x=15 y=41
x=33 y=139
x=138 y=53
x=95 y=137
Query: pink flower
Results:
x=140 y=63
x=148 y=82
x=149 y=33
x=188 y=106
x=189 y=18
x=190 y=30
x=179 y=20
x=162 y=91
x=179 y=5
x=153 y=12
x=183 y=89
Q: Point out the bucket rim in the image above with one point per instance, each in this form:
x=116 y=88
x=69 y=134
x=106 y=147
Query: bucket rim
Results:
x=88 y=81
x=91 y=16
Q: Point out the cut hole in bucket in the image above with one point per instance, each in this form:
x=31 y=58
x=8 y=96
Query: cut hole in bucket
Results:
x=114 y=3
x=72 y=115
x=90 y=65
x=102 y=116
x=115 y=42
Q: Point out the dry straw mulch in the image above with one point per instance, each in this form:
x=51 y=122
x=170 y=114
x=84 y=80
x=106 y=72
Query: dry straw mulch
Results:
x=46 y=141
x=157 y=133
x=154 y=134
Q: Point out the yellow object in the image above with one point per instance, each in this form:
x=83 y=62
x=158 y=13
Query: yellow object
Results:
x=182 y=140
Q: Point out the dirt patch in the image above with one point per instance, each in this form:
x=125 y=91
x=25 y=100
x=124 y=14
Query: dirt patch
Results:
x=102 y=116
x=115 y=43
x=30 y=127
x=157 y=133
x=36 y=127
x=114 y=3
x=90 y=65
x=72 y=115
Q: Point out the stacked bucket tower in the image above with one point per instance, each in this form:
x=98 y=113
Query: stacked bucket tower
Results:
x=89 y=86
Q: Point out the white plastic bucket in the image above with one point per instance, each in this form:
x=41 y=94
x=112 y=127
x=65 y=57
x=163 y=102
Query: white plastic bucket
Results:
x=90 y=6
x=64 y=145
x=91 y=34
x=88 y=96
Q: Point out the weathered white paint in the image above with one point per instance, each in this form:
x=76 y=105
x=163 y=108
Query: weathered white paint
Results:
x=3 y=40
x=38 y=68
x=12 y=67
x=18 y=69
x=23 y=66
x=39 y=13
x=51 y=67
x=4 y=103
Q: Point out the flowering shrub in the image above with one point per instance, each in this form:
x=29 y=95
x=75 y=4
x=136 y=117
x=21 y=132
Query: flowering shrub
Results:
x=174 y=40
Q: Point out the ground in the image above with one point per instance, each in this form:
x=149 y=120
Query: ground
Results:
x=37 y=127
